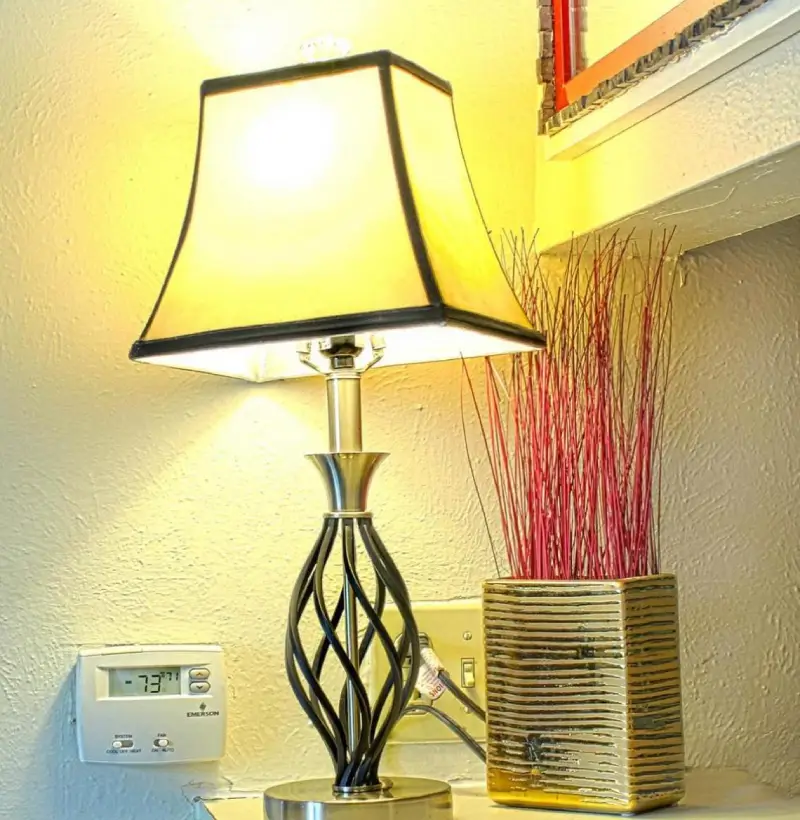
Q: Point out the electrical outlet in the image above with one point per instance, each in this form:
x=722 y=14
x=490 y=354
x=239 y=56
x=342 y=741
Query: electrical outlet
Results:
x=455 y=632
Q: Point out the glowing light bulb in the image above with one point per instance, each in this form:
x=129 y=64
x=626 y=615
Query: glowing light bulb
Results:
x=291 y=146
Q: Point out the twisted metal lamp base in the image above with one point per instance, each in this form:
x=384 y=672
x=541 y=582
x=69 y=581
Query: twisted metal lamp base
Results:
x=354 y=729
x=355 y=738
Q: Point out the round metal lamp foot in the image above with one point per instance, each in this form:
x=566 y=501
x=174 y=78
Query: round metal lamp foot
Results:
x=404 y=798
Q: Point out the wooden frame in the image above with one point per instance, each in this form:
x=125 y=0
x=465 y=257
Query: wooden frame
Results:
x=573 y=84
x=674 y=70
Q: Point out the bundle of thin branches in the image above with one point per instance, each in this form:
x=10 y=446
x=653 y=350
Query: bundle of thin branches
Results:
x=574 y=433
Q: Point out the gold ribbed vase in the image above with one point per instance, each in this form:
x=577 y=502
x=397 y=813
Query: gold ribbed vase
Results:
x=583 y=694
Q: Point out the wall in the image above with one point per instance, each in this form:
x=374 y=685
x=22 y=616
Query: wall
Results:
x=140 y=504
x=609 y=23
x=730 y=525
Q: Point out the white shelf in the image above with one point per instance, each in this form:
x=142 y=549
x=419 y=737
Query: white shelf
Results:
x=727 y=794
x=709 y=145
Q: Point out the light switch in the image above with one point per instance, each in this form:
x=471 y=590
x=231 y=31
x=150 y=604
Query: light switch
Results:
x=468 y=673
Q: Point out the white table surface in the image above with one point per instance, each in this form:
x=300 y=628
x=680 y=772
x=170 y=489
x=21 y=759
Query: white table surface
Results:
x=710 y=794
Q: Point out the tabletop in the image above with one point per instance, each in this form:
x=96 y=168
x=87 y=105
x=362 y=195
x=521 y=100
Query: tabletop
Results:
x=721 y=794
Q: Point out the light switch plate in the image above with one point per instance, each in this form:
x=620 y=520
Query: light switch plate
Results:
x=455 y=631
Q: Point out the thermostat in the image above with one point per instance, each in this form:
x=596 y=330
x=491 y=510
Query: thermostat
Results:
x=151 y=704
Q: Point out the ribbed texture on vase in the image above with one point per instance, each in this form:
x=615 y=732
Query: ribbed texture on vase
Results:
x=583 y=693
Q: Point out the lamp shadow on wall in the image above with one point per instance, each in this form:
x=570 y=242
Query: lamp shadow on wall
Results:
x=181 y=499
x=212 y=471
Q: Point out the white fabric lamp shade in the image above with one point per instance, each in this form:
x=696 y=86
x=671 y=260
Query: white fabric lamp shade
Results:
x=330 y=199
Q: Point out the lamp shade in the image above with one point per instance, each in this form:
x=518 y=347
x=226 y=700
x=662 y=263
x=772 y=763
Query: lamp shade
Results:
x=330 y=198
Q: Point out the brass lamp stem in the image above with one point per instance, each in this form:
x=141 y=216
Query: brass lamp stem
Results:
x=344 y=436
x=344 y=410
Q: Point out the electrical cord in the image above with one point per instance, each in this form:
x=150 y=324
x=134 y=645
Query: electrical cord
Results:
x=460 y=695
x=432 y=682
x=433 y=679
x=463 y=734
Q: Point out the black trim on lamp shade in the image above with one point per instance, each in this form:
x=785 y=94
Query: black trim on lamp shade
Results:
x=506 y=330
x=383 y=60
x=379 y=59
x=333 y=326
x=187 y=220
x=404 y=188
x=434 y=313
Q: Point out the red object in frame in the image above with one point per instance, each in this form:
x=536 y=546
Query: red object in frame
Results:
x=563 y=50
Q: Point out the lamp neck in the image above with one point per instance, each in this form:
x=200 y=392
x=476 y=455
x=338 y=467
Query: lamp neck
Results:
x=344 y=409
x=346 y=468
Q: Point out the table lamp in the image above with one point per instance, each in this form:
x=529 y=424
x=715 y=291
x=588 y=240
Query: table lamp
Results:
x=332 y=227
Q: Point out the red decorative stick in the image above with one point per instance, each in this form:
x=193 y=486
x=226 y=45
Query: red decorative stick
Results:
x=574 y=434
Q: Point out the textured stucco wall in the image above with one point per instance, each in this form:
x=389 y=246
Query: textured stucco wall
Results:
x=141 y=505
x=731 y=527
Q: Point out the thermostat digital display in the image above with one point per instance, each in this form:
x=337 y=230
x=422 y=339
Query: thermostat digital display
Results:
x=136 y=682
x=151 y=704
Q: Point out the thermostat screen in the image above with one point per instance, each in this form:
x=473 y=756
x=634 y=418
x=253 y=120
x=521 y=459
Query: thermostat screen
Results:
x=164 y=680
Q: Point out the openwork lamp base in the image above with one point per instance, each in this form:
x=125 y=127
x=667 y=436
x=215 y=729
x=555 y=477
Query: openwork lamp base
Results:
x=347 y=604
x=404 y=798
